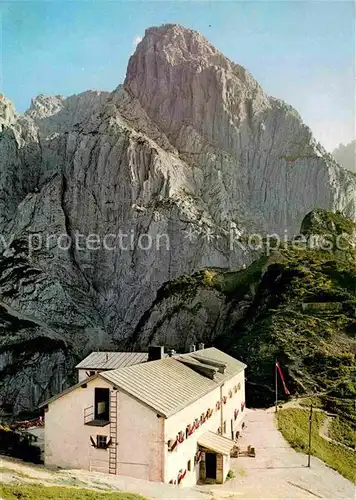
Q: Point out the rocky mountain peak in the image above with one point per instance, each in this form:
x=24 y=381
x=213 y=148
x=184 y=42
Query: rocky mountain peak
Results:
x=45 y=105
x=187 y=86
x=7 y=111
x=180 y=44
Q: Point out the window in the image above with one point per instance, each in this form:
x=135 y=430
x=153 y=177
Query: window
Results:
x=180 y=437
x=225 y=427
x=101 y=442
x=189 y=465
x=101 y=408
x=91 y=373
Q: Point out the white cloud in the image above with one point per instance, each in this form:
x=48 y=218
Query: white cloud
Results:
x=136 y=41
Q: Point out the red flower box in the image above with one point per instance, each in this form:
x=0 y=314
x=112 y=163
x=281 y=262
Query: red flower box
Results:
x=181 y=476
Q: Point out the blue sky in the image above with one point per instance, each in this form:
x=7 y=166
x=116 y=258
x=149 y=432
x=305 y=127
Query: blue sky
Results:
x=300 y=51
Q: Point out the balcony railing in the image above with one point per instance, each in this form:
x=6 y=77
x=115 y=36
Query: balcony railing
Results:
x=89 y=418
x=88 y=414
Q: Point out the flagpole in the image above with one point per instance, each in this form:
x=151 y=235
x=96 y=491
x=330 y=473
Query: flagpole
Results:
x=276 y=384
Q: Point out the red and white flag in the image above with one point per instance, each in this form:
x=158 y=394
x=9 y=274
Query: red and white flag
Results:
x=282 y=378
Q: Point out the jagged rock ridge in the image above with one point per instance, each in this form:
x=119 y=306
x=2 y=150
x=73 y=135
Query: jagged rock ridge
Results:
x=189 y=147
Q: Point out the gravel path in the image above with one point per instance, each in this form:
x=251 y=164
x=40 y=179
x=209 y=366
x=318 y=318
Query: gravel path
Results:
x=324 y=433
x=324 y=430
x=278 y=471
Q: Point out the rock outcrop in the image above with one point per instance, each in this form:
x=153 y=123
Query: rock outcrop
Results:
x=295 y=304
x=104 y=197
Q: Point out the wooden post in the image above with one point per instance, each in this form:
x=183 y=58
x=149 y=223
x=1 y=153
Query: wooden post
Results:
x=310 y=433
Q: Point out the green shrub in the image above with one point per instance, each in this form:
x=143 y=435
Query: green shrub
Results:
x=230 y=475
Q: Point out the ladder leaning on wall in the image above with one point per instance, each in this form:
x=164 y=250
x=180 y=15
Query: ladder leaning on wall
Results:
x=113 y=433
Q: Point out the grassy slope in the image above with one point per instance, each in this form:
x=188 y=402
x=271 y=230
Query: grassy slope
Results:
x=298 y=305
x=342 y=431
x=303 y=313
x=294 y=425
x=39 y=492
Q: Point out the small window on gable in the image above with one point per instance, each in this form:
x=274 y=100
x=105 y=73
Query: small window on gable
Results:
x=91 y=373
x=225 y=427
x=189 y=465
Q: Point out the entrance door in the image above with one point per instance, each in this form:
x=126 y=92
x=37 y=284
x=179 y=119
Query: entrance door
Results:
x=210 y=464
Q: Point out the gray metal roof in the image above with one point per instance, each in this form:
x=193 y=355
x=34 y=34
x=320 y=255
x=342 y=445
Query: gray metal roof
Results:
x=233 y=365
x=168 y=385
x=215 y=442
x=112 y=360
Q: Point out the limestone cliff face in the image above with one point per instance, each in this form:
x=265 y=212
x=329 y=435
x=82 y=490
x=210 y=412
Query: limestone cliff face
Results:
x=257 y=155
x=187 y=150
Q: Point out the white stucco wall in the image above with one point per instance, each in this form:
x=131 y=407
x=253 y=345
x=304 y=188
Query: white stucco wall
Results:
x=178 y=459
x=232 y=403
x=226 y=466
x=141 y=440
x=140 y=435
x=67 y=439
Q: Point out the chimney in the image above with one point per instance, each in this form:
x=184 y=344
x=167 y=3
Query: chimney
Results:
x=192 y=348
x=200 y=346
x=155 y=352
